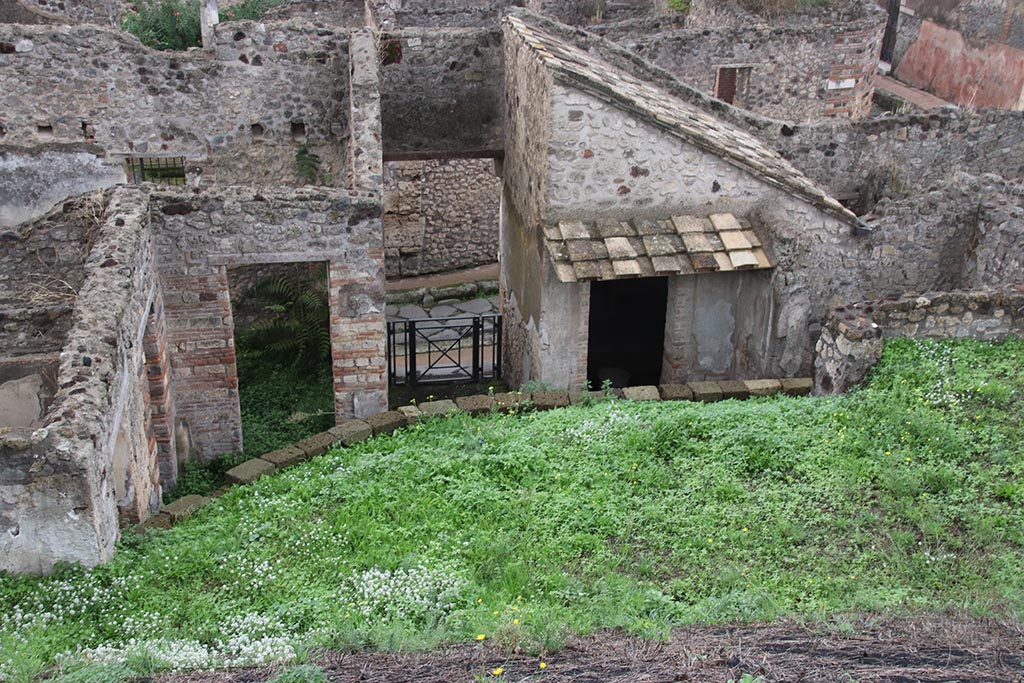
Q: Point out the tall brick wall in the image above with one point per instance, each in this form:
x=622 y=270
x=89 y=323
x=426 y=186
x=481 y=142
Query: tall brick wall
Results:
x=161 y=393
x=850 y=82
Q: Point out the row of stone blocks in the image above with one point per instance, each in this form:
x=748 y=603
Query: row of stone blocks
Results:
x=352 y=432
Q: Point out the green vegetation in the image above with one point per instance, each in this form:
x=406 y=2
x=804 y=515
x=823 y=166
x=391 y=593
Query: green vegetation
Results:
x=678 y=5
x=903 y=496
x=175 y=25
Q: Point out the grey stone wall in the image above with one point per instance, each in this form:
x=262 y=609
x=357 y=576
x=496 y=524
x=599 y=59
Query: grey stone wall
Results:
x=440 y=215
x=33 y=183
x=852 y=338
x=441 y=93
x=63 y=485
x=42 y=269
x=236 y=116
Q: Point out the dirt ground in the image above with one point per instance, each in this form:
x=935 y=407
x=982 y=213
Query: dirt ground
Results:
x=864 y=649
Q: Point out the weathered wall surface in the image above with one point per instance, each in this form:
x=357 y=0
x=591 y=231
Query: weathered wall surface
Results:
x=441 y=93
x=33 y=183
x=42 y=268
x=63 y=485
x=440 y=215
x=941 y=61
x=797 y=73
x=197 y=238
x=102 y=12
x=852 y=338
x=237 y=117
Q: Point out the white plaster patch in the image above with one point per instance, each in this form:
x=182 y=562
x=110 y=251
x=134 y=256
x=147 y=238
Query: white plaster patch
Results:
x=20 y=406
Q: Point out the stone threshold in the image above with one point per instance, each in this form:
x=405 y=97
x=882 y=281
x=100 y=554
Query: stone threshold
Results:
x=351 y=432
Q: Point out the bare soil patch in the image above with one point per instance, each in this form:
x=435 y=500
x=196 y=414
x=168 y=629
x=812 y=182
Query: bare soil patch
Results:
x=863 y=649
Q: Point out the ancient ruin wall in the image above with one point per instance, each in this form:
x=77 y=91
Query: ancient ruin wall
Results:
x=441 y=93
x=440 y=215
x=63 y=486
x=198 y=238
x=853 y=336
x=238 y=115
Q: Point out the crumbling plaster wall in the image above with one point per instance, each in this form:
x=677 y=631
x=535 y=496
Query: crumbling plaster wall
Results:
x=289 y=79
x=61 y=486
x=441 y=93
x=440 y=215
x=198 y=238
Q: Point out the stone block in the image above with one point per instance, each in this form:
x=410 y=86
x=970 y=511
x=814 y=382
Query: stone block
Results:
x=732 y=388
x=412 y=414
x=475 y=405
x=318 y=444
x=249 y=471
x=763 y=387
x=546 y=400
x=676 y=392
x=797 y=386
x=641 y=393
x=161 y=520
x=705 y=391
x=351 y=432
x=385 y=423
x=512 y=401
x=438 y=408
x=184 y=507
x=285 y=457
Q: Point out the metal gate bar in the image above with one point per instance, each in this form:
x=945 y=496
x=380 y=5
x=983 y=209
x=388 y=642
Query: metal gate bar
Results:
x=436 y=350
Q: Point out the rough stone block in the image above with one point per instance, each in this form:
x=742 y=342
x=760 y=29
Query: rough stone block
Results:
x=763 y=387
x=642 y=393
x=475 y=405
x=249 y=471
x=438 y=408
x=184 y=507
x=161 y=520
x=706 y=391
x=512 y=401
x=385 y=423
x=732 y=388
x=351 y=432
x=546 y=400
x=797 y=386
x=318 y=444
x=285 y=457
x=412 y=414
x=676 y=392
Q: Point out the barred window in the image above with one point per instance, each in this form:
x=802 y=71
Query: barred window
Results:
x=162 y=170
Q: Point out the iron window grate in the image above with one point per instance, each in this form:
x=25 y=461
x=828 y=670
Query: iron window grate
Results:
x=162 y=170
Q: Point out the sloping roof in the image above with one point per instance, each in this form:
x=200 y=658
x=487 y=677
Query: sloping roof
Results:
x=573 y=66
x=680 y=245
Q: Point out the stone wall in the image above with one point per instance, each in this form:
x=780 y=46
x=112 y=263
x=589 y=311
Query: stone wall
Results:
x=102 y=12
x=441 y=93
x=853 y=336
x=42 y=269
x=198 y=238
x=797 y=73
x=440 y=215
x=64 y=485
x=236 y=115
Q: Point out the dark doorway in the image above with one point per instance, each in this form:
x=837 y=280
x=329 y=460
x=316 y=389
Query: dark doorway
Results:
x=627 y=331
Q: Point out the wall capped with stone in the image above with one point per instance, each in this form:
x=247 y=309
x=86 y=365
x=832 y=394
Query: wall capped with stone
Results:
x=198 y=238
x=853 y=336
x=440 y=215
x=64 y=485
x=238 y=115
x=442 y=93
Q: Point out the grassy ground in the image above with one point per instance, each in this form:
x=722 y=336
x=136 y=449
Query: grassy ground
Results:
x=905 y=496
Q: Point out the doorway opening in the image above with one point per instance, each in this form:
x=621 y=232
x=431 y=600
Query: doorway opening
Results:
x=627 y=331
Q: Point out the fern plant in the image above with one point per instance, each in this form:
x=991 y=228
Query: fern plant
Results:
x=307 y=164
x=295 y=326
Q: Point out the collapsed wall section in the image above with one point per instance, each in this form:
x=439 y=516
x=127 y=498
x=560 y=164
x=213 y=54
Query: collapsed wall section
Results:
x=64 y=485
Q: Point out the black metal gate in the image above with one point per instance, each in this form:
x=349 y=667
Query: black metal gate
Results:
x=436 y=350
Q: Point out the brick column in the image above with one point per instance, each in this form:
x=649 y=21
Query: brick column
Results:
x=200 y=335
x=851 y=85
x=161 y=399
x=358 y=338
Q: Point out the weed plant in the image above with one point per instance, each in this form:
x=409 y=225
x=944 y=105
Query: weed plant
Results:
x=903 y=496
